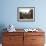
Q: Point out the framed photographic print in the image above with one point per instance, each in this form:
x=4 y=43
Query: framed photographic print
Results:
x=26 y=14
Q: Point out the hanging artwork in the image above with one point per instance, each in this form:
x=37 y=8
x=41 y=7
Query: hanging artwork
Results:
x=26 y=14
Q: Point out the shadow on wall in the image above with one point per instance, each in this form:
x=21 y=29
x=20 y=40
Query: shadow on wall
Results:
x=2 y=26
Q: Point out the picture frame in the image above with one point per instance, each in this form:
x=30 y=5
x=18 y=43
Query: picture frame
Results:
x=26 y=14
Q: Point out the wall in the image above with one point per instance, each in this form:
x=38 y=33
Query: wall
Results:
x=9 y=13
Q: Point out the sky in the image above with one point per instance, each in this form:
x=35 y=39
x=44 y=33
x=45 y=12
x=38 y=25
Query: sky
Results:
x=24 y=10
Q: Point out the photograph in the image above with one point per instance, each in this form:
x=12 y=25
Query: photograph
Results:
x=26 y=13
